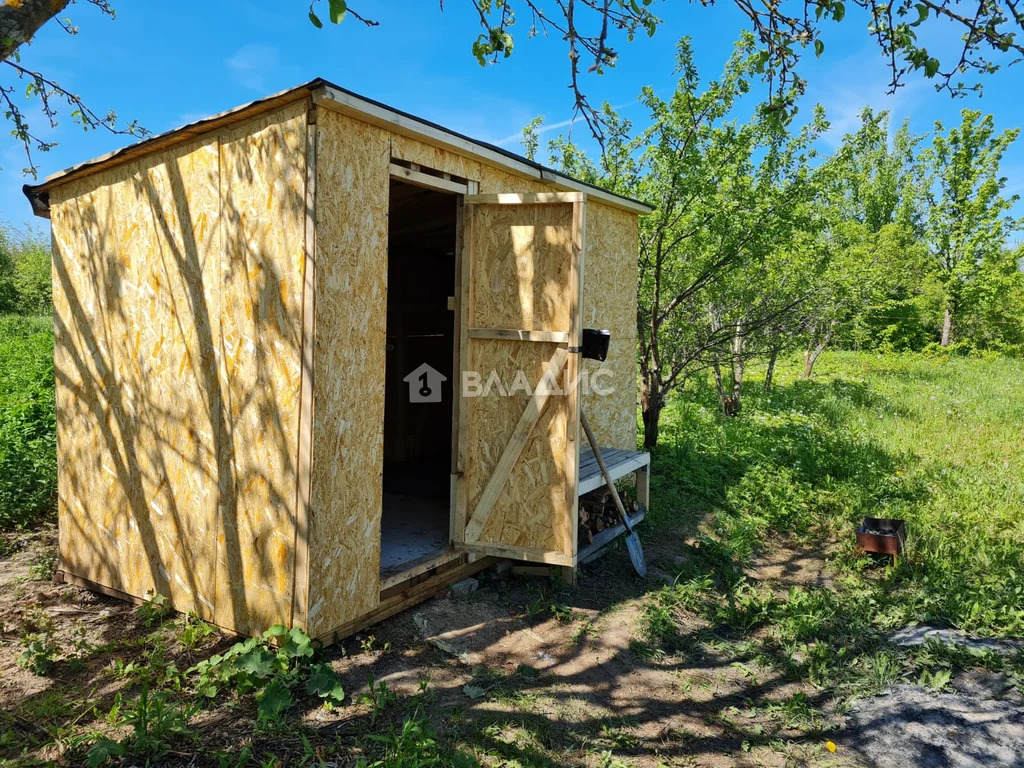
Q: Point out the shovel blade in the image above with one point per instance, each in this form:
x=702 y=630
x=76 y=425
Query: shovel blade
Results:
x=636 y=554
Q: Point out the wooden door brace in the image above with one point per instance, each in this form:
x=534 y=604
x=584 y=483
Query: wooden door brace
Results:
x=514 y=447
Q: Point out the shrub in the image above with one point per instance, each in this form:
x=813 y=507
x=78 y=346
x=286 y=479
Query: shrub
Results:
x=28 y=432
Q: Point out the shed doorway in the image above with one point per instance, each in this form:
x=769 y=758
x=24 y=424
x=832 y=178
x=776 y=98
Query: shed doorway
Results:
x=419 y=377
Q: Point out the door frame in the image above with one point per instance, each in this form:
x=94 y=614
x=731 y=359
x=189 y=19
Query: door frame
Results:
x=428 y=178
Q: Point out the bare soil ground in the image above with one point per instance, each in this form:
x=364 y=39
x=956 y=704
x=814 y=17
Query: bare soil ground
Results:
x=524 y=672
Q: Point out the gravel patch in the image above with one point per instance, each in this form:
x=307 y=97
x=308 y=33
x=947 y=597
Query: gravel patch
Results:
x=911 y=637
x=912 y=725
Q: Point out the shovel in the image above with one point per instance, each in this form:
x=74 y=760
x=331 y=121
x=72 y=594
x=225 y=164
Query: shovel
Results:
x=636 y=552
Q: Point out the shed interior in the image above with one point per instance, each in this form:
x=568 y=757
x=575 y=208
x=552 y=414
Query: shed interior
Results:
x=416 y=513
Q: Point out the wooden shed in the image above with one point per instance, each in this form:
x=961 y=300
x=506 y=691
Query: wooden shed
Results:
x=297 y=349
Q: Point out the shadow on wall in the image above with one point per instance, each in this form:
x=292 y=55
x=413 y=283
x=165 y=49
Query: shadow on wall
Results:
x=178 y=292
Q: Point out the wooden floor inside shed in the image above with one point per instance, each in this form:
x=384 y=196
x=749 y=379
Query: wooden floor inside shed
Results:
x=411 y=529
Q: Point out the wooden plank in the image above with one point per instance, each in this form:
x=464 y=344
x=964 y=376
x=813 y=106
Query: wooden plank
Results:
x=304 y=468
x=416 y=568
x=558 y=337
x=464 y=292
x=455 y=304
x=572 y=374
x=530 y=198
x=611 y=456
x=588 y=461
x=532 y=554
x=427 y=181
x=546 y=571
x=643 y=487
x=621 y=469
x=461 y=558
x=403 y=599
x=514 y=447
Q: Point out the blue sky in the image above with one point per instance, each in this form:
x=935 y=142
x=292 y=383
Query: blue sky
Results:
x=164 y=66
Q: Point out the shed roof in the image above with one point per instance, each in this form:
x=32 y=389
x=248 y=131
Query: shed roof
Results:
x=335 y=97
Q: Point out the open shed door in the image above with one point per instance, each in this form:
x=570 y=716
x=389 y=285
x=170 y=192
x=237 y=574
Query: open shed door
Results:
x=517 y=451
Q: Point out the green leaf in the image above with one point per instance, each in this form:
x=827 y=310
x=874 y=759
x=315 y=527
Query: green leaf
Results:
x=338 y=10
x=819 y=48
x=324 y=683
x=258 y=663
x=838 y=11
x=298 y=646
x=102 y=751
x=922 y=13
x=275 y=699
x=316 y=20
x=931 y=66
x=277 y=630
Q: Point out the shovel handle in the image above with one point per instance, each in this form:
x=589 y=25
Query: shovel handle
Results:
x=604 y=470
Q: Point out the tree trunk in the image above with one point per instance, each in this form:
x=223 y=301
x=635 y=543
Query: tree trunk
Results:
x=716 y=369
x=652 y=401
x=651 y=416
x=947 y=326
x=769 y=375
x=812 y=353
x=19 y=21
x=738 y=343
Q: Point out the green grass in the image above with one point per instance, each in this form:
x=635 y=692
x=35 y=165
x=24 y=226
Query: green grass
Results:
x=933 y=441
x=28 y=442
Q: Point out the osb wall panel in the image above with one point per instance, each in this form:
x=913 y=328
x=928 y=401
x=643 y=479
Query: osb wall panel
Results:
x=262 y=183
x=152 y=495
x=135 y=252
x=349 y=353
x=531 y=511
x=490 y=179
x=520 y=278
x=609 y=301
x=521 y=272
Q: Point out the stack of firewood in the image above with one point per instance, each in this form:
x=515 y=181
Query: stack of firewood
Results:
x=598 y=512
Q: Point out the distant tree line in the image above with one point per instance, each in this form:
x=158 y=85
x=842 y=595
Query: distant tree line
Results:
x=761 y=245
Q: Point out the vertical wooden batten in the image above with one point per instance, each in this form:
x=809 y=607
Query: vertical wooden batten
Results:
x=464 y=283
x=572 y=373
x=304 y=479
x=454 y=526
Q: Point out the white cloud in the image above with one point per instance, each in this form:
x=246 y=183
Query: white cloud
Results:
x=251 y=64
x=515 y=138
x=859 y=81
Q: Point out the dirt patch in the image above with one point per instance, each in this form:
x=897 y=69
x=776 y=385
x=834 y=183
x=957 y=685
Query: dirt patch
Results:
x=786 y=564
x=570 y=668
